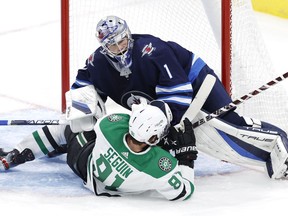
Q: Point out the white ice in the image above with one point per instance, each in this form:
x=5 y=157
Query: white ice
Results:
x=29 y=47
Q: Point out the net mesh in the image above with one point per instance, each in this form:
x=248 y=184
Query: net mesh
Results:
x=194 y=24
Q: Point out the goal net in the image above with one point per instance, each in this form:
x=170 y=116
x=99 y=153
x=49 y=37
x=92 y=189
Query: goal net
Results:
x=196 y=25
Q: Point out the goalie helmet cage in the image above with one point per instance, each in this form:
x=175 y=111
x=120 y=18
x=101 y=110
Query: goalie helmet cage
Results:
x=223 y=33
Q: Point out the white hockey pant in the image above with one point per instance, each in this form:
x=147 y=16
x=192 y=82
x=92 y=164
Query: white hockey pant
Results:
x=252 y=147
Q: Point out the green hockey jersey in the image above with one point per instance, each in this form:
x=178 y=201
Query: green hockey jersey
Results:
x=113 y=169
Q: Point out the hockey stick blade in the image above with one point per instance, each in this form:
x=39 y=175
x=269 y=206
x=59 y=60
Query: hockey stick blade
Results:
x=241 y=100
x=198 y=100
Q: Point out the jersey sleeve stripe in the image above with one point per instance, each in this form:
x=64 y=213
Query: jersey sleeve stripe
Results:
x=182 y=100
x=182 y=194
x=191 y=191
x=50 y=138
x=196 y=67
x=184 y=87
x=80 y=83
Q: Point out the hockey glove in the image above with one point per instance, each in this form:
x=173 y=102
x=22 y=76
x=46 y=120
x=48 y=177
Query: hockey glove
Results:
x=183 y=144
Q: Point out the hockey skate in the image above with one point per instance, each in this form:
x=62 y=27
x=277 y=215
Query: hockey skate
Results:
x=13 y=158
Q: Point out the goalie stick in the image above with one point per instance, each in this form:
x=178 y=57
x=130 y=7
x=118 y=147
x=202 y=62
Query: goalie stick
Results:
x=198 y=100
x=241 y=100
x=215 y=114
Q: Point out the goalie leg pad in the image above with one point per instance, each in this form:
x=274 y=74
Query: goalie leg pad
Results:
x=226 y=142
x=246 y=146
x=219 y=144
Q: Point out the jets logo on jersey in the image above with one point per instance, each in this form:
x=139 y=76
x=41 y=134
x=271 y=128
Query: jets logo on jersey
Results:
x=165 y=164
x=134 y=97
x=148 y=49
x=114 y=118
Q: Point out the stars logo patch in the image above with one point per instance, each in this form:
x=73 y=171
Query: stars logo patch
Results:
x=114 y=118
x=165 y=164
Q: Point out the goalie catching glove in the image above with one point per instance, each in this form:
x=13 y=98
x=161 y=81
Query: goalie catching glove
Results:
x=84 y=107
x=182 y=144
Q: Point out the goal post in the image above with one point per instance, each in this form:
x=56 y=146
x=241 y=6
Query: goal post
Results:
x=226 y=15
x=65 y=54
x=223 y=33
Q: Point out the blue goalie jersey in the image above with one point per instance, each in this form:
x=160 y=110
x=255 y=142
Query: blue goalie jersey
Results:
x=160 y=70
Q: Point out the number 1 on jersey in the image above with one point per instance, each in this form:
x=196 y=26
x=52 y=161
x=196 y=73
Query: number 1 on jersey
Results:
x=168 y=71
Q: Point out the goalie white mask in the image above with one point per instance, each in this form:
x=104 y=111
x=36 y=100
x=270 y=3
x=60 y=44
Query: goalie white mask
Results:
x=150 y=124
x=115 y=38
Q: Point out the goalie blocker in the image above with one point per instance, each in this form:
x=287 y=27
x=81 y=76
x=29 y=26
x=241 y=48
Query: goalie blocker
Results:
x=84 y=107
x=258 y=145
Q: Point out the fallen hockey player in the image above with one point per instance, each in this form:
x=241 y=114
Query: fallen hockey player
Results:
x=120 y=157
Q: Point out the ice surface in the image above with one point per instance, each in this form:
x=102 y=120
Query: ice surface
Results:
x=48 y=186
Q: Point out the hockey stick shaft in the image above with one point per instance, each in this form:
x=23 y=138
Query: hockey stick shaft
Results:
x=239 y=101
x=198 y=100
x=32 y=122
